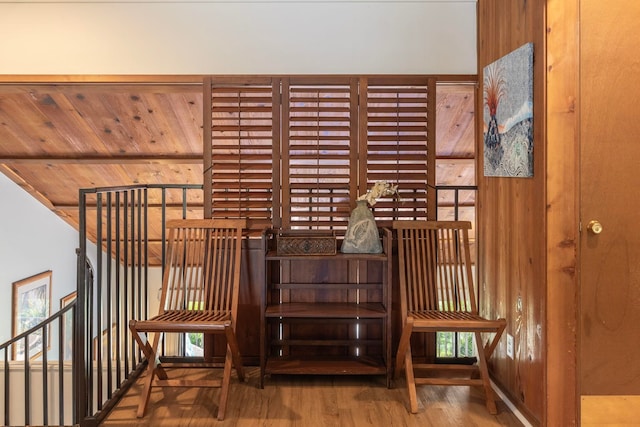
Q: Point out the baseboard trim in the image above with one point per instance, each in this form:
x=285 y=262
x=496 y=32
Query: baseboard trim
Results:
x=519 y=415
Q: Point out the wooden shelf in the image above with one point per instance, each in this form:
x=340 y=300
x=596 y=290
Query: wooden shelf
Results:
x=326 y=342
x=273 y=256
x=322 y=310
x=326 y=366
x=325 y=286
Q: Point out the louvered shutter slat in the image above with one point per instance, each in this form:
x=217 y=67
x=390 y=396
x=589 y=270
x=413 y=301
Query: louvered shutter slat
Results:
x=397 y=149
x=242 y=151
x=316 y=159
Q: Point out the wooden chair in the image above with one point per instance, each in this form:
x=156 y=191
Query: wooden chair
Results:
x=437 y=295
x=199 y=295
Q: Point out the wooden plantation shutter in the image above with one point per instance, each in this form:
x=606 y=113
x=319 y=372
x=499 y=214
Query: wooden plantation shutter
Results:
x=244 y=148
x=399 y=144
x=319 y=119
x=296 y=151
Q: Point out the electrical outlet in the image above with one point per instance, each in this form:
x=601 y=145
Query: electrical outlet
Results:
x=510 y=345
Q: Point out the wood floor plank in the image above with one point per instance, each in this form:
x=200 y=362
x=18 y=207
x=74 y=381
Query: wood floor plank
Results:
x=610 y=411
x=310 y=401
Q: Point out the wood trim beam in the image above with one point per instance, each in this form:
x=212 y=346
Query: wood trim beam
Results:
x=562 y=116
x=26 y=186
x=72 y=79
x=198 y=78
x=432 y=204
x=194 y=158
x=70 y=206
x=207 y=142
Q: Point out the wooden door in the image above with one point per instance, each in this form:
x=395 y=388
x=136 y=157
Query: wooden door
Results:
x=609 y=336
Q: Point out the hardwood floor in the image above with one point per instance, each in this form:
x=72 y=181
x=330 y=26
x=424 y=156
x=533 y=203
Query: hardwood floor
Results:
x=311 y=401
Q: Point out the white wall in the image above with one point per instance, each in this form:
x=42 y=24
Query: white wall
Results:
x=32 y=240
x=237 y=37
x=16 y=390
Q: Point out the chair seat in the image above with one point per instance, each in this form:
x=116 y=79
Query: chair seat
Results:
x=181 y=320
x=458 y=321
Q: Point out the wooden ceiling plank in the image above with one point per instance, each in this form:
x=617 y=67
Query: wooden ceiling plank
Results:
x=180 y=133
x=70 y=132
x=101 y=119
x=93 y=207
x=455 y=115
x=190 y=116
x=14 y=133
x=28 y=125
x=145 y=124
x=60 y=182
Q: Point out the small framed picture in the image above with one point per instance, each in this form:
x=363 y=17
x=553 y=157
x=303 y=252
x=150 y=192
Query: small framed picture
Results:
x=31 y=305
x=67 y=321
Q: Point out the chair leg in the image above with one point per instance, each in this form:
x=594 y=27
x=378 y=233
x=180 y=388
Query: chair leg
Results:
x=411 y=382
x=492 y=344
x=403 y=346
x=152 y=370
x=484 y=375
x=146 y=349
x=146 y=390
x=224 y=387
x=232 y=342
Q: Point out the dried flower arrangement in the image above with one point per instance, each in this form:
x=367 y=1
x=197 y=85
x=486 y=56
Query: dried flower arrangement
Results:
x=379 y=189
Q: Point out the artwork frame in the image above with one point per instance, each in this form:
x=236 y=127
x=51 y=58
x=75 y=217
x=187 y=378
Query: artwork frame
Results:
x=67 y=325
x=31 y=304
x=102 y=343
x=508 y=115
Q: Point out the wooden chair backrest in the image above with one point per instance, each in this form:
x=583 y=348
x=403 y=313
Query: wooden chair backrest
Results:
x=435 y=266
x=202 y=267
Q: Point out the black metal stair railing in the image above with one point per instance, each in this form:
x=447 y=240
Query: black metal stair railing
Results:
x=126 y=243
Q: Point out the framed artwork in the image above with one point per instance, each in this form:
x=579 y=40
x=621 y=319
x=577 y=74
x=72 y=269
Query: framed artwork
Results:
x=67 y=328
x=102 y=344
x=508 y=114
x=31 y=305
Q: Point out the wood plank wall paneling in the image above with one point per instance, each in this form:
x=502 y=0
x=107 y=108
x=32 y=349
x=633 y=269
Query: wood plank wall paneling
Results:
x=562 y=213
x=511 y=218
